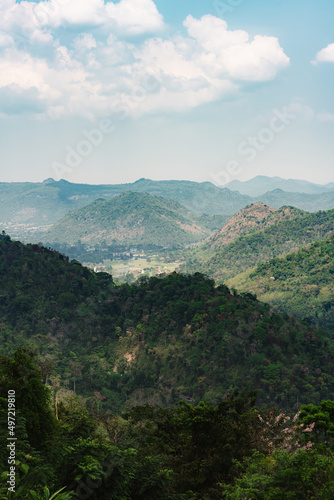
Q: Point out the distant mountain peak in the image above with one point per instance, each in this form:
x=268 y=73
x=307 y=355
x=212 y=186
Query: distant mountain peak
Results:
x=276 y=191
x=262 y=184
x=142 y=180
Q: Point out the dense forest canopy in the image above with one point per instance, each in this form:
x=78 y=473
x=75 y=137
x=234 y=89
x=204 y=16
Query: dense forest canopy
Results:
x=300 y=283
x=133 y=391
x=158 y=339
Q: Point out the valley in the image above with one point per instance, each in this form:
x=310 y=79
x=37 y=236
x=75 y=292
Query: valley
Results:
x=129 y=270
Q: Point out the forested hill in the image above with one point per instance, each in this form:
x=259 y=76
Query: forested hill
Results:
x=155 y=341
x=131 y=218
x=252 y=218
x=301 y=283
x=249 y=250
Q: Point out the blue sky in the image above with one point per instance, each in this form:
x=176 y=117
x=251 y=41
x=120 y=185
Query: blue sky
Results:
x=105 y=92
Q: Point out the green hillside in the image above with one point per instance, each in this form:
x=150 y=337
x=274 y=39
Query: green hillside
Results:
x=155 y=341
x=129 y=219
x=249 y=250
x=300 y=283
x=174 y=351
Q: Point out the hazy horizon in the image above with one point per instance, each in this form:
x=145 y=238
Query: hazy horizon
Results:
x=106 y=92
x=167 y=180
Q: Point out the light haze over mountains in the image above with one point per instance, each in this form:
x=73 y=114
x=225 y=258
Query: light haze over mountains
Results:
x=261 y=184
x=30 y=205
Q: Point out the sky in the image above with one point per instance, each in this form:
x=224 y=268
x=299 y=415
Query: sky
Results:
x=104 y=92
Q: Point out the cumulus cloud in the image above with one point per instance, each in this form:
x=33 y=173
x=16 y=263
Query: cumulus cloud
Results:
x=232 y=53
x=32 y=21
x=130 y=16
x=59 y=89
x=20 y=22
x=325 y=55
x=135 y=16
x=98 y=70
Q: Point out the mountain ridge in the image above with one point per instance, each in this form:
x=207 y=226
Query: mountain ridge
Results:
x=29 y=205
x=261 y=184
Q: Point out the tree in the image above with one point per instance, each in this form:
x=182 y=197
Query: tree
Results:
x=322 y=417
x=200 y=442
x=21 y=375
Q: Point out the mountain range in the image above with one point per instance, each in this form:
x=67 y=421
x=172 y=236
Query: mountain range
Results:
x=39 y=205
x=261 y=184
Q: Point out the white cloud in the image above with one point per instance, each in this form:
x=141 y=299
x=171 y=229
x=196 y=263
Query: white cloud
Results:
x=136 y=16
x=130 y=16
x=98 y=70
x=325 y=117
x=85 y=41
x=32 y=21
x=23 y=71
x=212 y=33
x=20 y=22
x=232 y=54
x=65 y=86
x=325 y=55
x=6 y=40
x=60 y=12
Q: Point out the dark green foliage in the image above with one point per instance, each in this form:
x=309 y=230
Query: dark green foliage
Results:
x=37 y=284
x=283 y=475
x=185 y=452
x=158 y=340
x=199 y=443
x=33 y=398
x=322 y=417
x=300 y=283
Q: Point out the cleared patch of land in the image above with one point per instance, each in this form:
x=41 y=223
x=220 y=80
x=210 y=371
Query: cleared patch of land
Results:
x=131 y=269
